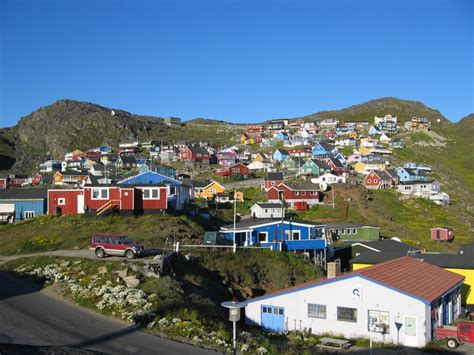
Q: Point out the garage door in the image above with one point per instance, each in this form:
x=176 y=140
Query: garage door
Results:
x=273 y=318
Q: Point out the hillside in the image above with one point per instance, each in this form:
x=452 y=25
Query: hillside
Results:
x=403 y=109
x=52 y=131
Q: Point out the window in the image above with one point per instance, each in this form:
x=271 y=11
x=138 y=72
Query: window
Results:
x=314 y=193
x=348 y=231
x=354 y=231
x=369 y=181
x=379 y=322
x=155 y=193
x=61 y=201
x=297 y=193
x=264 y=309
x=262 y=237
x=375 y=181
x=316 y=310
x=303 y=193
x=28 y=214
x=146 y=193
x=100 y=194
x=345 y=314
x=292 y=235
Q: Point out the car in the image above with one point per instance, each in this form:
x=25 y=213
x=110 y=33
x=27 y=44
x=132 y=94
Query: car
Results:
x=462 y=332
x=117 y=245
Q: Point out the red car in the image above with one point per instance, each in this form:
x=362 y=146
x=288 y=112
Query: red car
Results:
x=120 y=245
x=455 y=335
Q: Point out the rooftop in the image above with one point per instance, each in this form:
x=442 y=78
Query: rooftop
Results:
x=408 y=275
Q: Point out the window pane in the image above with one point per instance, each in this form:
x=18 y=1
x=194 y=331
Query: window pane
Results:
x=347 y=314
x=95 y=193
x=264 y=309
x=155 y=193
x=146 y=193
x=104 y=193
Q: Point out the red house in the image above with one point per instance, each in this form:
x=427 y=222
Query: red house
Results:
x=102 y=199
x=254 y=129
x=237 y=170
x=336 y=166
x=442 y=233
x=65 y=201
x=378 y=179
x=272 y=179
x=300 y=152
x=194 y=154
x=330 y=134
x=3 y=182
x=299 y=196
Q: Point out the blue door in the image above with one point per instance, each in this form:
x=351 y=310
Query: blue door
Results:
x=273 y=318
x=445 y=312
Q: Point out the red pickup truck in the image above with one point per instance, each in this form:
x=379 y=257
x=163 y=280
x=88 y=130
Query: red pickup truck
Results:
x=463 y=332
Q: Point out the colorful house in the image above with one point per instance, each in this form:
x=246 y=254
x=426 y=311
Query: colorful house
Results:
x=178 y=194
x=273 y=179
x=237 y=171
x=409 y=174
x=194 y=153
x=280 y=155
x=314 y=167
x=292 y=163
x=323 y=148
x=20 y=204
x=208 y=189
x=298 y=196
x=278 y=235
x=69 y=177
x=346 y=231
x=442 y=233
x=381 y=179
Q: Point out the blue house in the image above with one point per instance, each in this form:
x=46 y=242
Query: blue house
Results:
x=268 y=233
x=281 y=136
x=408 y=175
x=280 y=155
x=20 y=204
x=165 y=170
x=373 y=131
x=322 y=148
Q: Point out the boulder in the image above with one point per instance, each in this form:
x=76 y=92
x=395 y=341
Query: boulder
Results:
x=102 y=270
x=131 y=281
x=122 y=273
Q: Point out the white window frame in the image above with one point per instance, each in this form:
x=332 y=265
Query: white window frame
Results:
x=317 y=311
x=266 y=237
x=61 y=201
x=377 y=316
x=346 y=320
x=29 y=214
x=289 y=234
x=150 y=191
x=100 y=194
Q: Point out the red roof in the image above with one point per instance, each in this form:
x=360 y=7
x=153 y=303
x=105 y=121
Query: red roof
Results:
x=405 y=274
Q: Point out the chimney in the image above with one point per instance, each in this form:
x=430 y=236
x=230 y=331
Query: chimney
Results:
x=334 y=268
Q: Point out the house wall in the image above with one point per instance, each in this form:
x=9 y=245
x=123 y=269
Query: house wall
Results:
x=127 y=197
x=70 y=201
x=94 y=204
x=373 y=296
x=39 y=207
x=152 y=204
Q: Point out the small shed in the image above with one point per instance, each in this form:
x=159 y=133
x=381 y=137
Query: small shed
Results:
x=27 y=203
x=445 y=234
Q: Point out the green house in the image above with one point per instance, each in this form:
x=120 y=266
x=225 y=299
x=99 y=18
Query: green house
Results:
x=292 y=163
x=314 y=167
x=345 y=231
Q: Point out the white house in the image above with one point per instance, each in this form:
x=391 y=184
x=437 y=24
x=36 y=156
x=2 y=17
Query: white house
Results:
x=263 y=165
x=267 y=210
x=419 y=188
x=329 y=179
x=398 y=301
x=384 y=138
x=385 y=119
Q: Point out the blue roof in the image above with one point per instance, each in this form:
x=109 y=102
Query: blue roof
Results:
x=149 y=177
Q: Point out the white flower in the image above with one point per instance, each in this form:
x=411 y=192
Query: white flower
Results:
x=261 y=350
x=244 y=348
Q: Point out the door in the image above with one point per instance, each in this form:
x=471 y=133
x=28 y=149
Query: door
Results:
x=409 y=326
x=273 y=318
x=80 y=203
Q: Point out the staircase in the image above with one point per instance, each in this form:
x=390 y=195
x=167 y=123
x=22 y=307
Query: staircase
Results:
x=109 y=206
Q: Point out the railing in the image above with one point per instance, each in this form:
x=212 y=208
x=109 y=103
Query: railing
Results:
x=108 y=206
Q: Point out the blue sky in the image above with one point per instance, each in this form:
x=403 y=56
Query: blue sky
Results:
x=240 y=61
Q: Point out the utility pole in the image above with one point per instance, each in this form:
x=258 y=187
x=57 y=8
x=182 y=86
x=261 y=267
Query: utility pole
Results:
x=235 y=219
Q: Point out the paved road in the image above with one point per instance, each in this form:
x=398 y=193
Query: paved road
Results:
x=28 y=315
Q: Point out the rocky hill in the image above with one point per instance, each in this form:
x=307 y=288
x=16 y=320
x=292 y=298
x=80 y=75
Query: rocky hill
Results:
x=53 y=130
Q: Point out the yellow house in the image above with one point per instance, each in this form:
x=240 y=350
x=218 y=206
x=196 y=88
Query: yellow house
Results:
x=259 y=157
x=365 y=168
x=353 y=134
x=208 y=189
x=239 y=196
x=366 y=150
x=459 y=264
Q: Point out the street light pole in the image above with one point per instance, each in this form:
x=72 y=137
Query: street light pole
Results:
x=234 y=317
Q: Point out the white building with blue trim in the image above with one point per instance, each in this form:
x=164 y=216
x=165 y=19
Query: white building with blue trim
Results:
x=400 y=301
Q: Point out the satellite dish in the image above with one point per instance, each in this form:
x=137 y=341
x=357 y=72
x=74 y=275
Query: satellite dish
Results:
x=387 y=163
x=396 y=239
x=323 y=186
x=438 y=120
x=112 y=113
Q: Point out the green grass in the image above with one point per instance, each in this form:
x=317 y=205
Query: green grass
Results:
x=51 y=232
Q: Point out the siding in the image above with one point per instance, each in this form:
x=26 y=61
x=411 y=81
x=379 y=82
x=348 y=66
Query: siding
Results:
x=38 y=206
x=70 y=197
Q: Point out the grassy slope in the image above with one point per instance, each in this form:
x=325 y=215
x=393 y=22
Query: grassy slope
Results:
x=45 y=232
